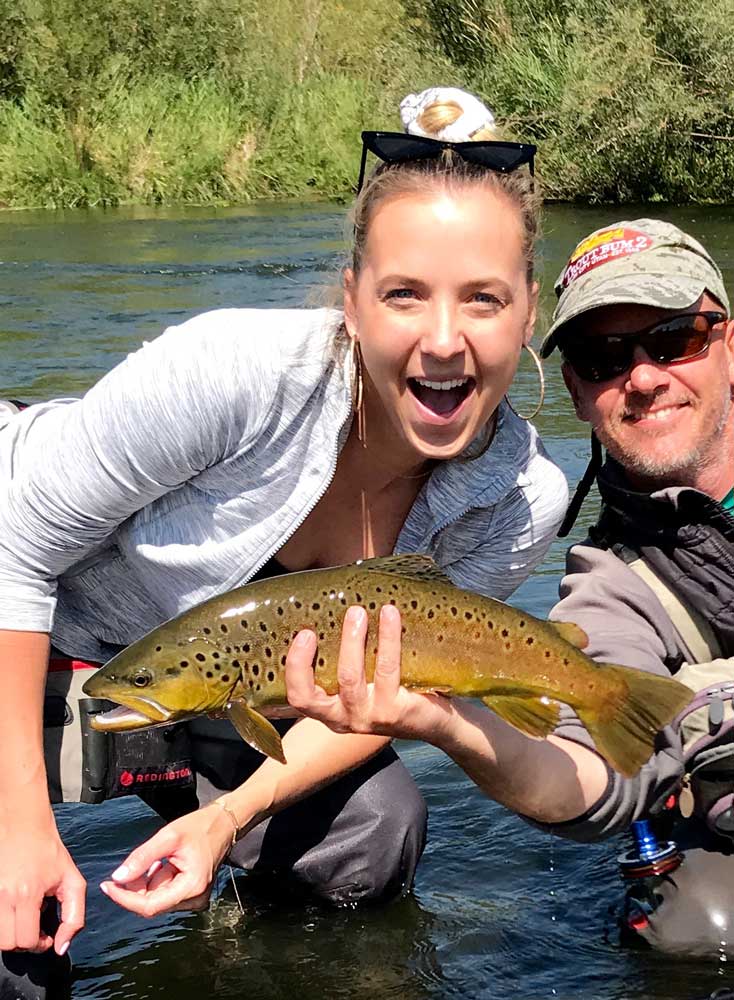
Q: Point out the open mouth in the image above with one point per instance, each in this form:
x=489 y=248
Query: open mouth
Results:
x=139 y=712
x=441 y=397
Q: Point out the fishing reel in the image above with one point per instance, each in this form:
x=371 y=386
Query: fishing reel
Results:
x=642 y=868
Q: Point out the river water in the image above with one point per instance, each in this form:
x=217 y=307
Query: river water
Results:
x=500 y=910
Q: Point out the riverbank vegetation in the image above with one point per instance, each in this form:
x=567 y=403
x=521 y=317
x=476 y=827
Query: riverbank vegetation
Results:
x=104 y=102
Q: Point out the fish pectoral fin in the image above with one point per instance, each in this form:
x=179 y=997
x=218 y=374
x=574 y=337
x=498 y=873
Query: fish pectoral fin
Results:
x=529 y=715
x=255 y=730
x=571 y=633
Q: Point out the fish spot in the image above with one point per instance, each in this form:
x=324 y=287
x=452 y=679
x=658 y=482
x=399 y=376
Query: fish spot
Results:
x=215 y=655
x=184 y=663
x=468 y=615
x=244 y=624
x=565 y=662
x=322 y=636
x=200 y=657
x=439 y=638
x=477 y=635
x=522 y=623
x=236 y=649
x=282 y=660
x=321 y=661
x=454 y=611
x=217 y=666
x=372 y=605
x=332 y=624
x=331 y=613
x=508 y=645
x=173 y=671
x=263 y=627
x=206 y=630
x=431 y=613
x=414 y=605
x=223 y=628
x=378 y=589
x=413 y=653
x=225 y=678
x=358 y=598
x=374 y=651
x=235 y=664
x=529 y=641
x=158 y=649
x=393 y=601
x=227 y=649
x=315 y=606
x=297 y=604
x=490 y=625
x=268 y=651
x=547 y=654
x=209 y=674
x=257 y=687
x=280 y=611
x=504 y=633
x=271 y=676
x=246 y=648
x=403 y=630
x=255 y=669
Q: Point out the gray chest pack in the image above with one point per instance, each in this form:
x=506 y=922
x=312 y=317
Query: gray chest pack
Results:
x=706 y=725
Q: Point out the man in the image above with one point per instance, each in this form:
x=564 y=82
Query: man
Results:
x=642 y=325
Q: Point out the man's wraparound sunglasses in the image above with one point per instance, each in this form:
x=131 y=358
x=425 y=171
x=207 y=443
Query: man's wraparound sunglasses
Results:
x=401 y=147
x=679 y=338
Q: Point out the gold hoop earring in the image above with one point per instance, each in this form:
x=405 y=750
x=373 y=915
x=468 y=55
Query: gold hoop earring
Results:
x=541 y=376
x=355 y=362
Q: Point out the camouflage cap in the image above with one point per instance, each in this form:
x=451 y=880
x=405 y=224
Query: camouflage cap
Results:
x=643 y=262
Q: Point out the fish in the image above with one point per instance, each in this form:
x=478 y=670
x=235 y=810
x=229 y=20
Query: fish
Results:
x=226 y=657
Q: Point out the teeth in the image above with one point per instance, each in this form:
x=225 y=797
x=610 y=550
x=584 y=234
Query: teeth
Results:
x=660 y=414
x=453 y=383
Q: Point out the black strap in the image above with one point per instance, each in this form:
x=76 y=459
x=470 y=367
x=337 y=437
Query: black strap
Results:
x=585 y=484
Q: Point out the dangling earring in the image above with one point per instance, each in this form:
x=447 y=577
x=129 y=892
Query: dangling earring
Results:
x=355 y=361
x=538 y=408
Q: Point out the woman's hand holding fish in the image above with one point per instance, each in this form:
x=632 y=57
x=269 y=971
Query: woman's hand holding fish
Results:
x=175 y=869
x=383 y=707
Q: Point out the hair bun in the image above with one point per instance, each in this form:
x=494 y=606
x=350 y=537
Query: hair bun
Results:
x=474 y=115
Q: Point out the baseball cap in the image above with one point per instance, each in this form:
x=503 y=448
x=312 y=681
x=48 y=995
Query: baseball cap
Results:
x=644 y=262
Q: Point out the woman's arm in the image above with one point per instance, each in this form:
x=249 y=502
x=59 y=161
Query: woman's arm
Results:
x=195 y=845
x=33 y=861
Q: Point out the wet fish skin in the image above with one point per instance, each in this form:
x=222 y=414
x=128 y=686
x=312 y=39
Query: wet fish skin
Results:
x=228 y=655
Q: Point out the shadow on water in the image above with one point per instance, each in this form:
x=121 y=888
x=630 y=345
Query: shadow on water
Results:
x=500 y=910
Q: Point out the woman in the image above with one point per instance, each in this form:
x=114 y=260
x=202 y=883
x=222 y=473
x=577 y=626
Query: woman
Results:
x=307 y=437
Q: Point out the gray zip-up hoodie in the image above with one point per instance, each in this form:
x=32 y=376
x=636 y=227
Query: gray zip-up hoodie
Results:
x=186 y=467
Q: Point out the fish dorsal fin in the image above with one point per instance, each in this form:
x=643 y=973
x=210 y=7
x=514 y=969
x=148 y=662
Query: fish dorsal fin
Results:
x=571 y=633
x=412 y=564
x=255 y=730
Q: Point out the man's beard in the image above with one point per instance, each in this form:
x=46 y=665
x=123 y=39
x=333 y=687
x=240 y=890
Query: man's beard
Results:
x=667 y=468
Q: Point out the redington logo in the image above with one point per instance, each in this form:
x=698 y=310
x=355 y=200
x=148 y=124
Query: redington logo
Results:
x=129 y=778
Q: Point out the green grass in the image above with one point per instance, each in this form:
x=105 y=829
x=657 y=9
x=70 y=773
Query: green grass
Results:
x=104 y=102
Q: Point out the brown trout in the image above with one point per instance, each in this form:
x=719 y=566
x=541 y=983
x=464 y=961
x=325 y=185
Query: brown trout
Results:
x=227 y=656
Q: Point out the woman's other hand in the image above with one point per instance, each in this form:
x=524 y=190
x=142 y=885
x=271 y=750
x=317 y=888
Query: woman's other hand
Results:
x=175 y=869
x=383 y=707
x=34 y=865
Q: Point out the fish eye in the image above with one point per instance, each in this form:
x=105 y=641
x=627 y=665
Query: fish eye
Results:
x=142 y=678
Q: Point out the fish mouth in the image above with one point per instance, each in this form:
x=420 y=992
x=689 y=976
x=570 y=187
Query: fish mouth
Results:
x=441 y=396
x=132 y=713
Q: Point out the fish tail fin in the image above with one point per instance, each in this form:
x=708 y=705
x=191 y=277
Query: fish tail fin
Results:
x=625 y=728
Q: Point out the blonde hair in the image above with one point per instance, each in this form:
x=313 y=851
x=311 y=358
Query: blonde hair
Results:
x=447 y=172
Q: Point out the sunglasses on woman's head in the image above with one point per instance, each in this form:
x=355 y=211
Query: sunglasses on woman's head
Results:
x=679 y=338
x=401 y=147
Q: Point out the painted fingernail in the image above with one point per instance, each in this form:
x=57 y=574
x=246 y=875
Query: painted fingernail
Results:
x=121 y=874
x=64 y=948
x=104 y=886
x=153 y=869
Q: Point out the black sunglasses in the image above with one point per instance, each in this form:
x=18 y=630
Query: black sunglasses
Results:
x=401 y=147
x=679 y=338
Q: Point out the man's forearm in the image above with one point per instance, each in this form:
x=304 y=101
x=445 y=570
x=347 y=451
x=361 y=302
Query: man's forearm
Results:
x=551 y=780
